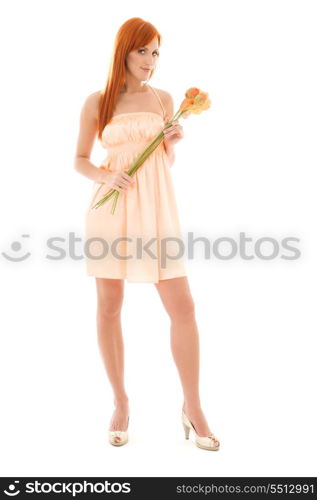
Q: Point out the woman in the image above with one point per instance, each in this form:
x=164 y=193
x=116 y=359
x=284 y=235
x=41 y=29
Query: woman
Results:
x=126 y=116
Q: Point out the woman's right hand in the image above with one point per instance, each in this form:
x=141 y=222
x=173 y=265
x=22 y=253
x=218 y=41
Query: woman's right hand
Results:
x=119 y=180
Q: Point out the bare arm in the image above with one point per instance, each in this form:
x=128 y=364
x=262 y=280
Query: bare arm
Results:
x=86 y=138
x=169 y=108
x=171 y=154
x=118 y=180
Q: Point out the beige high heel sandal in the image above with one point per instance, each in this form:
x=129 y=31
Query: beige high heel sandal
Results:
x=118 y=438
x=206 y=443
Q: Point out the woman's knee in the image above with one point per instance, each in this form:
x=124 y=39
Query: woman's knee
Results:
x=183 y=308
x=110 y=298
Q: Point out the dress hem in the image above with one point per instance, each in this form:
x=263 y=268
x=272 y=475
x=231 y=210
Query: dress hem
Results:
x=139 y=280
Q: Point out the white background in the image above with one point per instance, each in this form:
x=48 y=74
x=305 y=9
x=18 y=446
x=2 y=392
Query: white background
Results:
x=248 y=164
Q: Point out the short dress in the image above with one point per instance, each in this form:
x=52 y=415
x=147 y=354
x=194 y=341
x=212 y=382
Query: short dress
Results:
x=142 y=241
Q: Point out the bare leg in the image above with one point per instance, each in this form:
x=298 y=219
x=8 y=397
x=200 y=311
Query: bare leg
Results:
x=178 y=302
x=110 y=340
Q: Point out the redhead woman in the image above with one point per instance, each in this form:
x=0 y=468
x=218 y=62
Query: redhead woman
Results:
x=126 y=116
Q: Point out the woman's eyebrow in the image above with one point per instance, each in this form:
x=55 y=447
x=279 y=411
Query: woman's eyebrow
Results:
x=146 y=48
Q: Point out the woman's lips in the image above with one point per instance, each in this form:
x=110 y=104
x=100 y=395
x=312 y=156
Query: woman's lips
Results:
x=144 y=69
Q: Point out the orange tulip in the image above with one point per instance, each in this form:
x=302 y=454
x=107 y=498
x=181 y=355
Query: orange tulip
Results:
x=195 y=102
x=192 y=92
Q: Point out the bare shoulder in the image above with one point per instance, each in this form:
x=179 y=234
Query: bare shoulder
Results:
x=167 y=101
x=165 y=96
x=91 y=104
x=88 y=127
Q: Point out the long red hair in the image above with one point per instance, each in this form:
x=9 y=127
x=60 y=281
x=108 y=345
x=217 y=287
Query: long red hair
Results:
x=134 y=33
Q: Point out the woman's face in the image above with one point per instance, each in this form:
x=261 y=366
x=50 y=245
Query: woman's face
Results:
x=142 y=61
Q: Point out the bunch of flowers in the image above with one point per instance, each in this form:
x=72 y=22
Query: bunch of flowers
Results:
x=195 y=102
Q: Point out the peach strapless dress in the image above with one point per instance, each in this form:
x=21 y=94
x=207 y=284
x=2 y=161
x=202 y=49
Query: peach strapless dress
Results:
x=141 y=241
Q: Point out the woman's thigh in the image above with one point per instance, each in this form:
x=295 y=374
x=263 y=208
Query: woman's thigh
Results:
x=176 y=297
x=110 y=294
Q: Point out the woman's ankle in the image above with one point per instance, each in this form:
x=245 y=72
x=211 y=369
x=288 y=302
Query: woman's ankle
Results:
x=192 y=405
x=121 y=401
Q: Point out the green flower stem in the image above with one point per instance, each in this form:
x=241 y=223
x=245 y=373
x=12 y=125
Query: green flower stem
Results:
x=138 y=162
x=115 y=202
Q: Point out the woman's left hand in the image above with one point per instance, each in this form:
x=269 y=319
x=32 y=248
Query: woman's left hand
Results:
x=173 y=134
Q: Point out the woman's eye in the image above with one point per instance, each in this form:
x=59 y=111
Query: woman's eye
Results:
x=156 y=53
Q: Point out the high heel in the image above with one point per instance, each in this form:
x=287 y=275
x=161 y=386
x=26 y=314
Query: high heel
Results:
x=206 y=443
x=118 y=438
x=186 y=430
